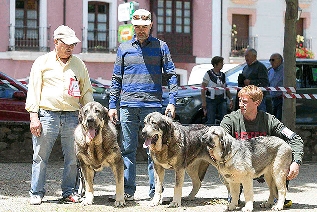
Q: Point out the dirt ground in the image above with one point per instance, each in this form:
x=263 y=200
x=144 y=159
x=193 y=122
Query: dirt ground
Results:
x=15 y=183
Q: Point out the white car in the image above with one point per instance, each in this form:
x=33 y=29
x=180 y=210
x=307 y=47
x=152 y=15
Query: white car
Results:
x=198 y=72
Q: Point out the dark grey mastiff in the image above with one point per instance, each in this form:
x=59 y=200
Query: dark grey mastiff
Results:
x=96 y=147
x=173 y=146
x=241 y=161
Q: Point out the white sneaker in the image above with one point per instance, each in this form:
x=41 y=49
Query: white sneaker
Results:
x=35 y=200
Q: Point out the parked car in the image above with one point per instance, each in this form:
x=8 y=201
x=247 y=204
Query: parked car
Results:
x=12 y=100
x=188 y=106
x=101 y=92
x=13 y=95
x=188 y=103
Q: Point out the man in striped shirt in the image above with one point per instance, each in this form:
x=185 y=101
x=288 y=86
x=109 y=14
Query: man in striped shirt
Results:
x=137 y=81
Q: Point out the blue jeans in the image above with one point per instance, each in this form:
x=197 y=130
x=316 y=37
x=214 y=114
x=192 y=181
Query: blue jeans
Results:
x=215 y=106
x=131 y=120
x=53 y=124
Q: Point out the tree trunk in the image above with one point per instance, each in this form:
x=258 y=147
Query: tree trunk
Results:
x=289 y=109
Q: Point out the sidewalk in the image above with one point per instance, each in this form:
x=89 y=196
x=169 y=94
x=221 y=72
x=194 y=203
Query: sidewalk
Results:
x=15 y=183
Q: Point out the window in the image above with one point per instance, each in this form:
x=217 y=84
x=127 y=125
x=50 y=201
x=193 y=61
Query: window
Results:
x=174 y=26
x=98 y=27
x=26 y=25
x=306 y=75
x=239 y=35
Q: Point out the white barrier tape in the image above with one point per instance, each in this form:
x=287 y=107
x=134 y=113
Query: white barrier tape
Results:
x=300 y=96
x=288 y=95
x=285 y=89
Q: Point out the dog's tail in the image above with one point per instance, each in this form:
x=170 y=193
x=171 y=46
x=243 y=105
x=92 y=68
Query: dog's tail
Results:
x=203 y=166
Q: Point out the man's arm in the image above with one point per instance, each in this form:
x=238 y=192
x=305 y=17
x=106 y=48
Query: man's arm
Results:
x=263 y=78
x=169 y=67
x=116 y=80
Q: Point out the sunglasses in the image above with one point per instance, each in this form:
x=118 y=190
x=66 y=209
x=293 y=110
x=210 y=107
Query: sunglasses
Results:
x=143 y=17
x=72 y=45
x=271 y=60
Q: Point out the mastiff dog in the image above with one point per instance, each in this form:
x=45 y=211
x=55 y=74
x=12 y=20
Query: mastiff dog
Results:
x=177 y=147
x=240 y=161
x=97 y=147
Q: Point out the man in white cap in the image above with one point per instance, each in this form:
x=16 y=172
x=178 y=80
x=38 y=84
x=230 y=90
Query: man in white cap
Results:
x=59 y=85
x=137 y=81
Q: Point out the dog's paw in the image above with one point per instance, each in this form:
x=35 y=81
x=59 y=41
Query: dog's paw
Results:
x=247 y=209
x=154 y=203
x=190 y=197
x=89 y=199
x=86 y=201
x=174 y=204
x=120 y=203
x=277 y=207
x=156 y=200
x=248 y=206
x=232 y=207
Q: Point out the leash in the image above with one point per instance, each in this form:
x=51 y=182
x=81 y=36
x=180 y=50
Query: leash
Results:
x=80 y=182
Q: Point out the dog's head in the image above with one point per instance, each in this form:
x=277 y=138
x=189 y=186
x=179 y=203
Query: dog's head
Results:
x=216 y=140
x=157 y=128
x=93 y=116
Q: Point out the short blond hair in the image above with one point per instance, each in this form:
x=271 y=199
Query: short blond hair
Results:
x=253 y=91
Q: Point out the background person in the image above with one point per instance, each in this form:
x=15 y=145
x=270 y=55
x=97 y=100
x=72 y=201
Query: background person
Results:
x=137 y=81
x=276 y=74
x=254 y=73
x=214 y=102
x=248 y=122
x=59 y=85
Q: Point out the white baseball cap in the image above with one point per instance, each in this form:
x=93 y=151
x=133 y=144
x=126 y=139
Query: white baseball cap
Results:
x=141 y=17
x=66 y=34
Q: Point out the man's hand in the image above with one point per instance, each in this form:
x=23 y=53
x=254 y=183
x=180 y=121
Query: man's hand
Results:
x=247 y=82
x=293 y=171
x=113 y=115
x=170 y=108
x=35 y=124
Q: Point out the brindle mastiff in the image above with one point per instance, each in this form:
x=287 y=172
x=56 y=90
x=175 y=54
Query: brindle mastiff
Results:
x=97 y=147
x=177 y=147
x=242 y=161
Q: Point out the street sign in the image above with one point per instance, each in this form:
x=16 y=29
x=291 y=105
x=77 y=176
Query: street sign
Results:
x=125 y=32
x=126 y=10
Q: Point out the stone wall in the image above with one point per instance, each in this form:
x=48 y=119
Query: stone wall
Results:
x=16 y=143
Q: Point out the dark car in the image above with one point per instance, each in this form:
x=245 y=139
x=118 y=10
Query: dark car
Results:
x=188 y=106
x=306 y=83
x=101 y=92
x=12 y=100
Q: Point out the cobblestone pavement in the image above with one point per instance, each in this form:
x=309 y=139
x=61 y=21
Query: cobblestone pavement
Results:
x=15 y=183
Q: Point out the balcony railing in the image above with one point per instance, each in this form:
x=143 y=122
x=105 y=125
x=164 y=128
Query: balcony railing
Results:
x=100 y=41
x=240 y=45
x=29 y=38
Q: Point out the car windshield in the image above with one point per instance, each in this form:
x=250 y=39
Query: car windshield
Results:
x=232 y=74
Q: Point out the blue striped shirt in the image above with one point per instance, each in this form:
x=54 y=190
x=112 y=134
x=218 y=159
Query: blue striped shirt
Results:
x=137 y=74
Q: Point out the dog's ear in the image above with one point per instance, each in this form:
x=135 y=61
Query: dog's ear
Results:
x=167 y=128
x=105 y=114
x=207 y=138
x=224 y=139
x=80 y=115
